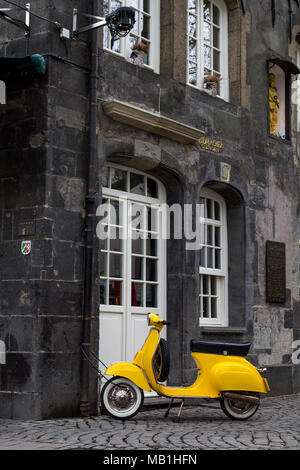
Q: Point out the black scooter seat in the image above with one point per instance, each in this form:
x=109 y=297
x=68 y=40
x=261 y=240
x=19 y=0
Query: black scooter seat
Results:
x=213 y=347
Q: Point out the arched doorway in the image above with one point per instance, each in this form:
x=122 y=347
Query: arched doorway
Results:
x=132 y=260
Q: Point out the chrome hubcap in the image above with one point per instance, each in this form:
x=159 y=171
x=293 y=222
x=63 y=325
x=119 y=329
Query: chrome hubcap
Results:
x=122 y=397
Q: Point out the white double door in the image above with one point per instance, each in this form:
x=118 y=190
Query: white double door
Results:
x=133 y=273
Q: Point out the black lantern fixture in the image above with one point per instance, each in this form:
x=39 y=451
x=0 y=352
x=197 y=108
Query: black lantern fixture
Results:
x=120 y=22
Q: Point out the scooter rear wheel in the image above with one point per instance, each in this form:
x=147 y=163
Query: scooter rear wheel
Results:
x=121 y=398
x=238 y=409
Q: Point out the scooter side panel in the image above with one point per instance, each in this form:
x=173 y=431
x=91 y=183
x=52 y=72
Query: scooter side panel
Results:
x=235 y=375
x=131 y=372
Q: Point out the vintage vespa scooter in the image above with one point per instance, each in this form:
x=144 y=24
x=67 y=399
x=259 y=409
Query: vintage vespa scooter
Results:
x=223 y=373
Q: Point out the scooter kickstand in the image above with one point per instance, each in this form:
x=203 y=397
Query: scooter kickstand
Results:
x=180 y=410
x=169 y=407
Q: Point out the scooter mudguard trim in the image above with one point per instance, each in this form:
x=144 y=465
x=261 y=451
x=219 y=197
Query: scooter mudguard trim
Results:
x=237 y=376
x=131 y=372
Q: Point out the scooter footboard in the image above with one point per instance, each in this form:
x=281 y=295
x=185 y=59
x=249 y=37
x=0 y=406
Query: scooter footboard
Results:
x=131 y=372
x=239 y=377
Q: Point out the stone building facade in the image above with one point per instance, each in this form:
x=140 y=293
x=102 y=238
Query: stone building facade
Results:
x=96 y=125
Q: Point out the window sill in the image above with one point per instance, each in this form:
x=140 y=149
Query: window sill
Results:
x=209 y=330
x=280 y=139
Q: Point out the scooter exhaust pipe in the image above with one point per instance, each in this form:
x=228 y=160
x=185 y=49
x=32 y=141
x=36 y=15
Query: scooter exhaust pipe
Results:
x=246 y=398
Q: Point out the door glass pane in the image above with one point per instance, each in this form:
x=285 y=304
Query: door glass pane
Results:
x=103 y=292
x=151 y=270
x=115 y=265
x=137 y=267
x=151 y=295
x=137 y=246
x=151 y=247
x=115 y=293
x=137 y=294
x=116 y=244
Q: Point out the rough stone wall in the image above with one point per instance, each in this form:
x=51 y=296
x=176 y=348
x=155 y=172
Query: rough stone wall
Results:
x=44 y=163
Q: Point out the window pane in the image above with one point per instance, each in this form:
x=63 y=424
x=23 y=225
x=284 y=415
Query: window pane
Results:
x=216 y=37
x=210 y=259
x=192 y=49
x=104 y=177
x=192 y=6
x=152 y=190
x=151 y=270
x=137 y=184
x=115 y=293
x=103 y=292
x=115 y=265
x=213 y=285
x=118 y=179
x=209 y=240
x=145 y=26
x=103 y=265
x=151 y=296
x=213 y=307
x=151 y=247
x=192 y=73
x=137 y=294
x=205 y=285
x=205 y=312
x=116 y=244
x=137 y=246
x=202 y=257
x=209 y=208
x=137 y=268
x=206 y=10
x=216 y=15
x=146 y=6
x=217 y=236
x=192 y=25
x=207 y=57
x=216 y=60
x=207 y=32
x=218 y=259
x=217 y=211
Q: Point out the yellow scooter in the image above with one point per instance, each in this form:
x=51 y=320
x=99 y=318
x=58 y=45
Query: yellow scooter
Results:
x=223 y=373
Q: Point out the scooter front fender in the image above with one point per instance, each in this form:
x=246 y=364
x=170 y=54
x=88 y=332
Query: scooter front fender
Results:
x=131 y=372
x=238 y=376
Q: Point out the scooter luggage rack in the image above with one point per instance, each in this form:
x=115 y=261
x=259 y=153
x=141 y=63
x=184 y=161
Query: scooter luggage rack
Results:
x=93 y=361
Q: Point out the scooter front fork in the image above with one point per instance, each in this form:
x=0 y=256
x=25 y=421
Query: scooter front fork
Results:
x=180 y=409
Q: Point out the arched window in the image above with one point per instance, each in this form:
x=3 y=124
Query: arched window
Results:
x=207 y=42
x=146 y=30
x=213 y=260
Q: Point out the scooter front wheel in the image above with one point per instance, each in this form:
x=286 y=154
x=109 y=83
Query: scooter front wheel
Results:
x=238 y=408
x=121 y=398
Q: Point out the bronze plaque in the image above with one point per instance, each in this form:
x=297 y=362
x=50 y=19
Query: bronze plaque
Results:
x=26 y=227
x=275 y=272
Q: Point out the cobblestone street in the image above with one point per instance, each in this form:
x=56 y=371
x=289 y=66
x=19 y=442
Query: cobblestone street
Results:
x=274 y=427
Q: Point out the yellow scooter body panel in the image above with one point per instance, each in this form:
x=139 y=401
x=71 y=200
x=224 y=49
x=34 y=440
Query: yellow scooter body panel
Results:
x=131 y=372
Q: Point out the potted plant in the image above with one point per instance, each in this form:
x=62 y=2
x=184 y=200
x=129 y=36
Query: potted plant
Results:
x=211 y=84
x=139 y=49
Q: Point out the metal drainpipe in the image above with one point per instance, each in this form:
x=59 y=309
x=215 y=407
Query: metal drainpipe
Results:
x=90 y=207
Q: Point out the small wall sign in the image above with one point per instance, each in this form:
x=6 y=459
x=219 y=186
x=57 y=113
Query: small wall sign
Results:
x=26 y=247
x=211 y=144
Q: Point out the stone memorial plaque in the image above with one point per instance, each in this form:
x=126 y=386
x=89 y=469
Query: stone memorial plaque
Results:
x=275 y=272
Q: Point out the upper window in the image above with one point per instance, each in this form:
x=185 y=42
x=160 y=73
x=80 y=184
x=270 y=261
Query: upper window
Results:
x=213 y=261
x=145 y=30
x=207 y=41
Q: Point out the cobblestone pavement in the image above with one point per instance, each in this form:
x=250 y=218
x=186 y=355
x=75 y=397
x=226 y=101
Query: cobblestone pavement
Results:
x=274 y=426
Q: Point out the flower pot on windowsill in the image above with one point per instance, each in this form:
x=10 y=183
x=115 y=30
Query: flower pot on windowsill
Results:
x=211 y=83
x=138 y=53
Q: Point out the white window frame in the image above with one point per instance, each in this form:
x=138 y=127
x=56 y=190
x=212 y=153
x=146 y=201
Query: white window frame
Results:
x=221 y=274
x=298 y=88
x=224 y=84
x=125 y=50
